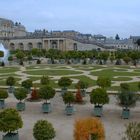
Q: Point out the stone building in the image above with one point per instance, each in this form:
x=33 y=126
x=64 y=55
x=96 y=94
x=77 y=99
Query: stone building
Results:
x=10 y=29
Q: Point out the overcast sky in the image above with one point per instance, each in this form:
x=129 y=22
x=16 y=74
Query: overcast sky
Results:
x=107 y=17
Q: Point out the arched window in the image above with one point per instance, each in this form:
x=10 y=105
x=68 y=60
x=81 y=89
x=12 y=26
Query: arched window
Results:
x=12 y=46
x=21 y=46
x=30 y=46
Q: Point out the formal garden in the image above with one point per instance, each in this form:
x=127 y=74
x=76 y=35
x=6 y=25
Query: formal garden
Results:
x=67 y=95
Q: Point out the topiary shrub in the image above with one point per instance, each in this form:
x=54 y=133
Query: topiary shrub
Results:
x=89 y=129
x=27 y=84
x=64 y=82
x=99 y=97
x=3 y=94
x=20 y=94
x=132 y=131
x=68 y=98
x=46 y=92
x=103 y=82
x=43 y=130
x=10 y=120
x=10 y=81
x=44 y=80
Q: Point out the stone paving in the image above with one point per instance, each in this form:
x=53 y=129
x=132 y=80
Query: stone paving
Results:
x=64 y=125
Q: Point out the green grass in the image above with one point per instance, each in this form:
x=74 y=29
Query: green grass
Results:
x=122 y=79
x=8 y=70
x=110 y=73
x=52 y=72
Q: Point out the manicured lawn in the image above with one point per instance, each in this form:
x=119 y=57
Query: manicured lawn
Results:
x=110 y=73
x=52 y=72
x=122 y=79
x=8 y=69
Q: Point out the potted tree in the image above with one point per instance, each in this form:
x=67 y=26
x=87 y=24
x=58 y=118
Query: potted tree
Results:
x=43 y=130
x=64 y=82
x=68 y=99
x=126 y=99
x=10 y=81
x=44 y=80
x=20 y=95
x=103 y=82
x=27 y=84
x=89 y=129
x=10 y=121
x=46 y=93
x=99 y=97
x=3 y=95
x=83 y=86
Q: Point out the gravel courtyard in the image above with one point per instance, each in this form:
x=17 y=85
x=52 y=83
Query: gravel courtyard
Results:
x=114 y=125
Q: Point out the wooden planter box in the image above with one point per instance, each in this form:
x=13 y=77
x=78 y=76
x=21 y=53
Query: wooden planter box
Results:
x=83 y=92
x=69 y=110
x=20 y=106
x=46 y=107
x=11 y=136
x=98 y=111
x=2 y=104
x=125 y=113
x=63 y=91
x=11 y=89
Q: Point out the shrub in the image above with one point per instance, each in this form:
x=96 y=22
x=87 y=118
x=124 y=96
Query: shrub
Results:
x=45 y=80
x=125 y=86
x=68 y=98
x=46 y=92
x=103 y=82
x=21 y=94
x=38 y=61
x=82 y=84
x=64 y=82
x=34 y=95
x=3 y=94
x=27 y=84
x=79 y=98
x=43 y=130
x=10 y=81
x=87 y=128
x=99 y=97
x=127 y=98
x=10 y=120
x=132 y=131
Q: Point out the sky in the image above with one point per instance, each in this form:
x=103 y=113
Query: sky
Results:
x=106 y=17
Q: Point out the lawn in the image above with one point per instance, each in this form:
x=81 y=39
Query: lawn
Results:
x=52 y=72
x=8 y=70
x=122 y=79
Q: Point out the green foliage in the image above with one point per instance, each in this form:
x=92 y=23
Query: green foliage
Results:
x=3 y=94
x=45 y=80
x=68 y=98
x=99 y=96
x=1 y=53
x=125 y=87
x=27 y=84
x=139 y=85
x=126 y=98
x=82 y=84
x=10 y=81
x=10 y=120
x=126 y=59
x=64 y=82
x=21 y=93
x=43 y=130
x=20 y=55
x=132 y=131
x=103 y=82
x=10 y=58
x=46 y=92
